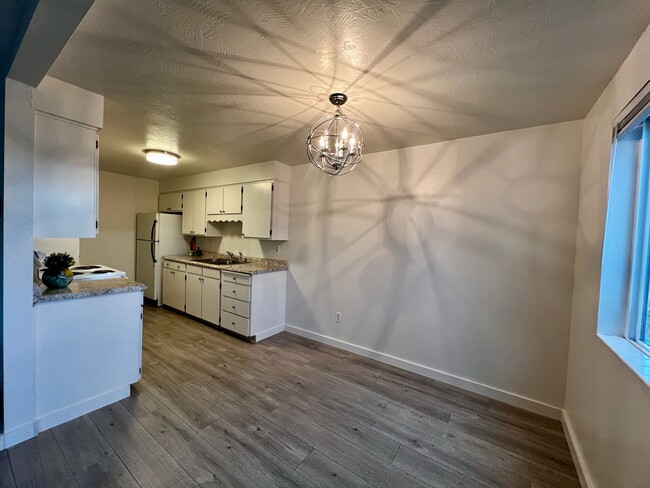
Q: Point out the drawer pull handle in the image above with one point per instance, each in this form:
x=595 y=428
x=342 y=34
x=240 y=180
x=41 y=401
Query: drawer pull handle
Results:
x=233 y=306
x=234 y=292
x=233 y=323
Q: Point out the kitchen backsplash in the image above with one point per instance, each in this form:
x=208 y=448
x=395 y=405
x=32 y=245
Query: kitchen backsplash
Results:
x=233 y=241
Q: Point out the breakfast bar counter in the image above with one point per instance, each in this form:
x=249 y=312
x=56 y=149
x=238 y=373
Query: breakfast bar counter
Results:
x=84 y=289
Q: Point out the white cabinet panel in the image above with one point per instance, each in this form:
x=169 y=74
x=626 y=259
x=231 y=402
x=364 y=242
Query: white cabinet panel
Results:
x=194 y=212
x=193 y=285
x=199 y=213
x=187 y=224
x=170 y=202
x=65 y=178
x=266 y=210
x=224 y=200
x=232 y=199
x=168 y=287
x=179 y=291
x=210 y=300
x=256 y=219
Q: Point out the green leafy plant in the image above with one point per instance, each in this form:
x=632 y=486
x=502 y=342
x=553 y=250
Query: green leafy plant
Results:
x=58 y=261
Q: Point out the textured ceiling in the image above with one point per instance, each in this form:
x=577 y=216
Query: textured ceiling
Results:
x=238 y=82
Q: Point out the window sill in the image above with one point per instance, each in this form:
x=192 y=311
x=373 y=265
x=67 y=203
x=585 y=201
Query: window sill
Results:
x=630 y=354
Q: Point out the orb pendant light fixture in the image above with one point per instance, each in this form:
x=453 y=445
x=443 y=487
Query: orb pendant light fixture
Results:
x=335 y=143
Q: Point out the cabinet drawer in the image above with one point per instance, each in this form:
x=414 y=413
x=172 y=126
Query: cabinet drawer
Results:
x=241 y=279
x=235 y=323
x=212 y=273
x=173 y=265
x=194 y=269
x=235 y=306
x=233 y=290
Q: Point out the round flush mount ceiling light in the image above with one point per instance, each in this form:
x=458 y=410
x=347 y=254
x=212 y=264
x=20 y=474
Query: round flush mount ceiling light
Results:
x=165 y=158
x=335 y=142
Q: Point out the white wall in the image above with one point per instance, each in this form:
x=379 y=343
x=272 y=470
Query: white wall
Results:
x=607 y=405
x=64 y=244
x=234 y=242
x=121 y=197
x=17 y=264
x=457 y=257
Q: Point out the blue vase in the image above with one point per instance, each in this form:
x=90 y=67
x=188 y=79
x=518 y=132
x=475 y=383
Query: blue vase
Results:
x=56 y=280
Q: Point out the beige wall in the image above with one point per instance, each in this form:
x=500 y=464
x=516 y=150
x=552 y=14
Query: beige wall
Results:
x=121 y=197
x=455 y=257
x=607 y=405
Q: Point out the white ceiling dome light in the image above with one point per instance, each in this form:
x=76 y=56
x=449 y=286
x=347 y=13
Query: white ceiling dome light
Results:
x=335 y=142
x=164 y=158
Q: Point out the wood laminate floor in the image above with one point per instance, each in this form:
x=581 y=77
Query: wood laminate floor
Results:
x=213 y=410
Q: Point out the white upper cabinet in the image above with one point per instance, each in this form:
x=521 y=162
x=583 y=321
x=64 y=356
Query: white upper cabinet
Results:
x=66 y=160
x=224 y=203
x=193 y=222
x=170 y=202
x=266 y=210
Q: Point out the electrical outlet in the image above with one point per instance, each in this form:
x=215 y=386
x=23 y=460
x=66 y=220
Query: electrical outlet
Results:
x=337 y=317
x=276 y=249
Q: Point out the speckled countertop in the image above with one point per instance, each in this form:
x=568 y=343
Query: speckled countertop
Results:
x=83 y=289
x=254 y=266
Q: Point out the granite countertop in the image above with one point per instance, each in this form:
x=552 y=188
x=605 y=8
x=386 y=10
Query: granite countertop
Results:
x=254 y=266
x=83 y=289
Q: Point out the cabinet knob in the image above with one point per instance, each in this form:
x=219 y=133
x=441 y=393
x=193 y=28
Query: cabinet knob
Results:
x=233 y=306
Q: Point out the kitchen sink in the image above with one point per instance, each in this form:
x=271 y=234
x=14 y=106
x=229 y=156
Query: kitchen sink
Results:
x=221 y=261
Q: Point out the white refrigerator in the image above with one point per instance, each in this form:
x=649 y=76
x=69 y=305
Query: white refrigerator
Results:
x=157 y=235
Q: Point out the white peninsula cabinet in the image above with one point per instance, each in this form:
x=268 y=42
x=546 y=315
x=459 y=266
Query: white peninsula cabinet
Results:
x=194 y=213
x=66 y=150
x=266 y=210
x=253 y=305
x=203 y=293
x=173 y=284
x=87 y=353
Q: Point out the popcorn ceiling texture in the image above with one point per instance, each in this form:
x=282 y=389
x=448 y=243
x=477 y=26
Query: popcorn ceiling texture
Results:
x=231 y=83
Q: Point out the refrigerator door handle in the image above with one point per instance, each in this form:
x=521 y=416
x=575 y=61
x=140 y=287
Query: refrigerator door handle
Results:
x=153 y=229
x=153 y=254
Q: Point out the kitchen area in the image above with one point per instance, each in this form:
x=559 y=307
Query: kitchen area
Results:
x=160 y=245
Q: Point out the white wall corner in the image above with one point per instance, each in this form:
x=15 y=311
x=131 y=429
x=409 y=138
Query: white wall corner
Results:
x=577 y=455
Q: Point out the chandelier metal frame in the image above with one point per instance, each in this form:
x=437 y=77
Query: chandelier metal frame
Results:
x=335 y=143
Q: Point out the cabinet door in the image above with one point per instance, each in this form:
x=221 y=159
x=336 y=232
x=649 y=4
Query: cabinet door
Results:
x=232 y=199
x=170 y=202
x=65 y=178
x=187 y=224
x=214 y=201
x=168 y=287
x=179 y=290
x=199 y=213
x=193 y=294
x=257 y=201
x=210 y=298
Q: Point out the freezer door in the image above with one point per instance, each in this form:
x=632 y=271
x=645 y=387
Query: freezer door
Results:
x=147 y=227
x=147 y=267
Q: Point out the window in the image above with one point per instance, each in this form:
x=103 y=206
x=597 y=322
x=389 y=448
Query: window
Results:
x=624 y=308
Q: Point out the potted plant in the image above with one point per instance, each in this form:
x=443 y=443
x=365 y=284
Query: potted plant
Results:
x=58 y=273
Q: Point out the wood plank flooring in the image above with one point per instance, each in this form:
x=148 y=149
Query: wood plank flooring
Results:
x=213 y=410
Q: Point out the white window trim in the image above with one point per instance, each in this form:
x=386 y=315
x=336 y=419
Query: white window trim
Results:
x=622 y=307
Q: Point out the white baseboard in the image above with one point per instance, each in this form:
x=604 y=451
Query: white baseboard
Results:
x=576 y=452
x=269 y=332
x=19 y=434
x=475 y=387
x=70 y=412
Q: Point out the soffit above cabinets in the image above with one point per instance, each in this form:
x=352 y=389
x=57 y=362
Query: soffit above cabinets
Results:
x=233 y=83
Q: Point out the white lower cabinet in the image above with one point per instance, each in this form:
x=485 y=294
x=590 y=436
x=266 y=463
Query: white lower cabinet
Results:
x=174 y=285
x=202 y=293
x=253 y=305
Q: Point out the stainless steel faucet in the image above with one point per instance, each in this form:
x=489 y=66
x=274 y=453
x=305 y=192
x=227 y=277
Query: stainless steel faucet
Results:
x=232 y=256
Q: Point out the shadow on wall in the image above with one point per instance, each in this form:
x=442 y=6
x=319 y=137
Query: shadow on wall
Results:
x=472 y=243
